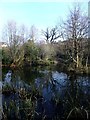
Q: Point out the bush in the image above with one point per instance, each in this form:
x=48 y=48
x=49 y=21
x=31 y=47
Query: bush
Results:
x=6 y=59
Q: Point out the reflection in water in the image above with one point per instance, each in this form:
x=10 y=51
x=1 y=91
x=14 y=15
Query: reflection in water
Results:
x=8 y=76
x=51 y=85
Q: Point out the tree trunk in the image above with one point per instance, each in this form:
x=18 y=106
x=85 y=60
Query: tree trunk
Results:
x=77 y=60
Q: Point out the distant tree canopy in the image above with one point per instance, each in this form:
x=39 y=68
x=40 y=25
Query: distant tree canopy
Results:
x=72 y=51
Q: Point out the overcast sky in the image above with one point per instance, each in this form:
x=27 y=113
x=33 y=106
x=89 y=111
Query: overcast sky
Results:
x=41 y=14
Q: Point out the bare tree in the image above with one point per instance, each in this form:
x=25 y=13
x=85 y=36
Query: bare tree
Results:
x=75 y=29
x=23 y=33
x=51 y=34
x=33 y=33
x=55 y=34
x=47 y=34
x=13 y=38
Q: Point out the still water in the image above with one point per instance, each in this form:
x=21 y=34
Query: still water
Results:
x=60 y=91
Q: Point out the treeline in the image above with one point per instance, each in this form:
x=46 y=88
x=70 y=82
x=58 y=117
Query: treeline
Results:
x=73 y=52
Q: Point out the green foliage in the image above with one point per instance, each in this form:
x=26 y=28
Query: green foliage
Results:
x=6 y=59
x=31 y=52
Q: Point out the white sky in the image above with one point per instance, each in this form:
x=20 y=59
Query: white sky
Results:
x=41 y=13
x=44 y=0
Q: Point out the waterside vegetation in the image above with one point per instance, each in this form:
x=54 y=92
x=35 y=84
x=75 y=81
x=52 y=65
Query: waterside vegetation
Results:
x=73 y=53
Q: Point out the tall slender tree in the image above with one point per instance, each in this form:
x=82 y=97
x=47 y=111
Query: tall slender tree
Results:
x=75 y=29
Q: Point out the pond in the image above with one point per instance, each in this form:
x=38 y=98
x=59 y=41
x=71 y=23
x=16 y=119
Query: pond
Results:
x=44 y=93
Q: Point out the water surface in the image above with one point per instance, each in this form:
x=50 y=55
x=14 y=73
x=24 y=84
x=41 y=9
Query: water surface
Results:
x=53 y=85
